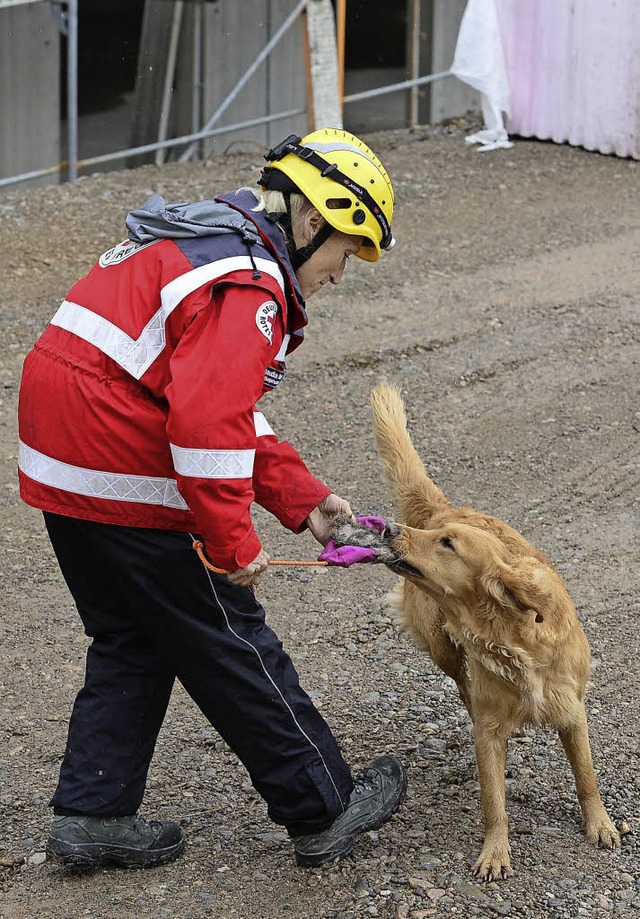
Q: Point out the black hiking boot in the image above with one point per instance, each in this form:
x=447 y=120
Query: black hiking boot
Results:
x=376 y=795
x=82 y=843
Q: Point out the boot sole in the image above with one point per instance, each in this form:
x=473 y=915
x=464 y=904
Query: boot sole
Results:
x=314 y=861
x=86 y=857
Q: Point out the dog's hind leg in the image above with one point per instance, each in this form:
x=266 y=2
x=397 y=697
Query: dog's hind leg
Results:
x=598 y=826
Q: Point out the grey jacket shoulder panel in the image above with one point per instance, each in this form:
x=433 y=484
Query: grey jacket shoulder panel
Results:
x=158 y=220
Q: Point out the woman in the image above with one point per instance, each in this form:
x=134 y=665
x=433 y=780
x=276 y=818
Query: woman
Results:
x=138 y=429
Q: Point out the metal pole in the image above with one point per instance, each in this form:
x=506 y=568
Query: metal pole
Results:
x=169 y=75
x=147 y=148
x=201 y=135
x=247 y=76
x=414 y=61
x=267 y=65
x=196 y=101
x=394 y=87
x=306 y=52
x=341 y=18
x=72 y=89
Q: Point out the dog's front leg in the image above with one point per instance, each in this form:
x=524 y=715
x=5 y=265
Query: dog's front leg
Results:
x=491 y=754
x=598 y=826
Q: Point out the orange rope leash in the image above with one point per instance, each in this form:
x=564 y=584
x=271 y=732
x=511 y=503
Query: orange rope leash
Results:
x=199 y=548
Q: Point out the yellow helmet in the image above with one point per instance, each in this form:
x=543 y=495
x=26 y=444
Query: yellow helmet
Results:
x=342 y=178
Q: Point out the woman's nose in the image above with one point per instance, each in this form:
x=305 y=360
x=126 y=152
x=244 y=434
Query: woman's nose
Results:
x=336 y=276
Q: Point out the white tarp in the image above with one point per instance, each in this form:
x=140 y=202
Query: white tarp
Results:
x=479 y=61
x=567 y=72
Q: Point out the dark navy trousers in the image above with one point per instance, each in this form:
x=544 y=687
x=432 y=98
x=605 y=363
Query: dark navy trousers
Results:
x=155 y=613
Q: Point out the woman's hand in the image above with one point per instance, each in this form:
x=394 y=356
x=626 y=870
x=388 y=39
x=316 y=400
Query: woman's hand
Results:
x=320 y=518
x=252 y=574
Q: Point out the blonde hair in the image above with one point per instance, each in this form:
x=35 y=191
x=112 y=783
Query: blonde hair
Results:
x=273 y=202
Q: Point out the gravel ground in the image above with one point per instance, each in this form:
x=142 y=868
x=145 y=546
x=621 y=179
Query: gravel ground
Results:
x=508 y=314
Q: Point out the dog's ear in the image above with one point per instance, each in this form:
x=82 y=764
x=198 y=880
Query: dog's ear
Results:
x=516 y=585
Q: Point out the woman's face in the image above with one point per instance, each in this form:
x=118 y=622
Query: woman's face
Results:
x=327 y=263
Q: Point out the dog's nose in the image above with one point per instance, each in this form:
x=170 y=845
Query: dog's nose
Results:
x=391 y=531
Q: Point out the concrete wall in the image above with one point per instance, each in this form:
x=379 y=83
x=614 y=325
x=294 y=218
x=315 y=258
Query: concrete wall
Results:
x=436 y=40
x=449 y=97
x=29 y=90
x=232 y=35
x=235 y=33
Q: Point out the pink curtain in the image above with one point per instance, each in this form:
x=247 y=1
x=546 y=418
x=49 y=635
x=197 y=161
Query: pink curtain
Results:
x=574 y=71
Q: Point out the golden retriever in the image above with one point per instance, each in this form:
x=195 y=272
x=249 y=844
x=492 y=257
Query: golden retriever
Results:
x=494 y=615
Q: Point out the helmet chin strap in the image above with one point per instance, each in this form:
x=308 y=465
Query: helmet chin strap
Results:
x=303 y=254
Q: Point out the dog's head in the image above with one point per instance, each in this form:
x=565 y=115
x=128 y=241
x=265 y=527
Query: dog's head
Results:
x=462 y=565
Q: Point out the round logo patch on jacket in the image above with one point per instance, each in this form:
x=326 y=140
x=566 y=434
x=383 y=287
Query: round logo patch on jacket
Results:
x=266 y=317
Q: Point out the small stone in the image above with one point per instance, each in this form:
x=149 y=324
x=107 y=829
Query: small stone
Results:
x=420 y=883
x=38 y=858
x=471 y=891
x=436 y=893
x=503 y=908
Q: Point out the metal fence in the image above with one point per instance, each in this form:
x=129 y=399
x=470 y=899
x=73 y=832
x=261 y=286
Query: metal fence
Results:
x=66 y=12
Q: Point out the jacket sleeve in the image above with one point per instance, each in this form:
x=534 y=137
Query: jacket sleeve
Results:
x=217 y=375
x=217 y=371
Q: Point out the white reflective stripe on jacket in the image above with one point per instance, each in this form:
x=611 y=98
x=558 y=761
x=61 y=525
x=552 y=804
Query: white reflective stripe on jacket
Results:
x=94 y=483
x=135 y=355
x=142 y=489
x=213 y=464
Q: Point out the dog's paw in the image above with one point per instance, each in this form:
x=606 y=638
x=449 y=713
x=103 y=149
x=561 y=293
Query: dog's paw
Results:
x=494 y=863
x=601 y=832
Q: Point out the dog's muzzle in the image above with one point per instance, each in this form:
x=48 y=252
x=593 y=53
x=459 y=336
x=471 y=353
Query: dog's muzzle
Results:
x=379 y=537
x=396 y=563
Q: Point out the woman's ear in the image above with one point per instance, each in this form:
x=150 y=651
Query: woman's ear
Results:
x=311 y=223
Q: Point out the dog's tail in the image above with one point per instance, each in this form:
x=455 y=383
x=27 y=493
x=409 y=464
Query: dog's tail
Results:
x=418 y=498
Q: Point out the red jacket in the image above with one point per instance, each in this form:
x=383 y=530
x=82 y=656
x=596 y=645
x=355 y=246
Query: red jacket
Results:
x=137 y=404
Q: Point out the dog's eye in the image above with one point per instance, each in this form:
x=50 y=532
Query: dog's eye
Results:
x=447 y=543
